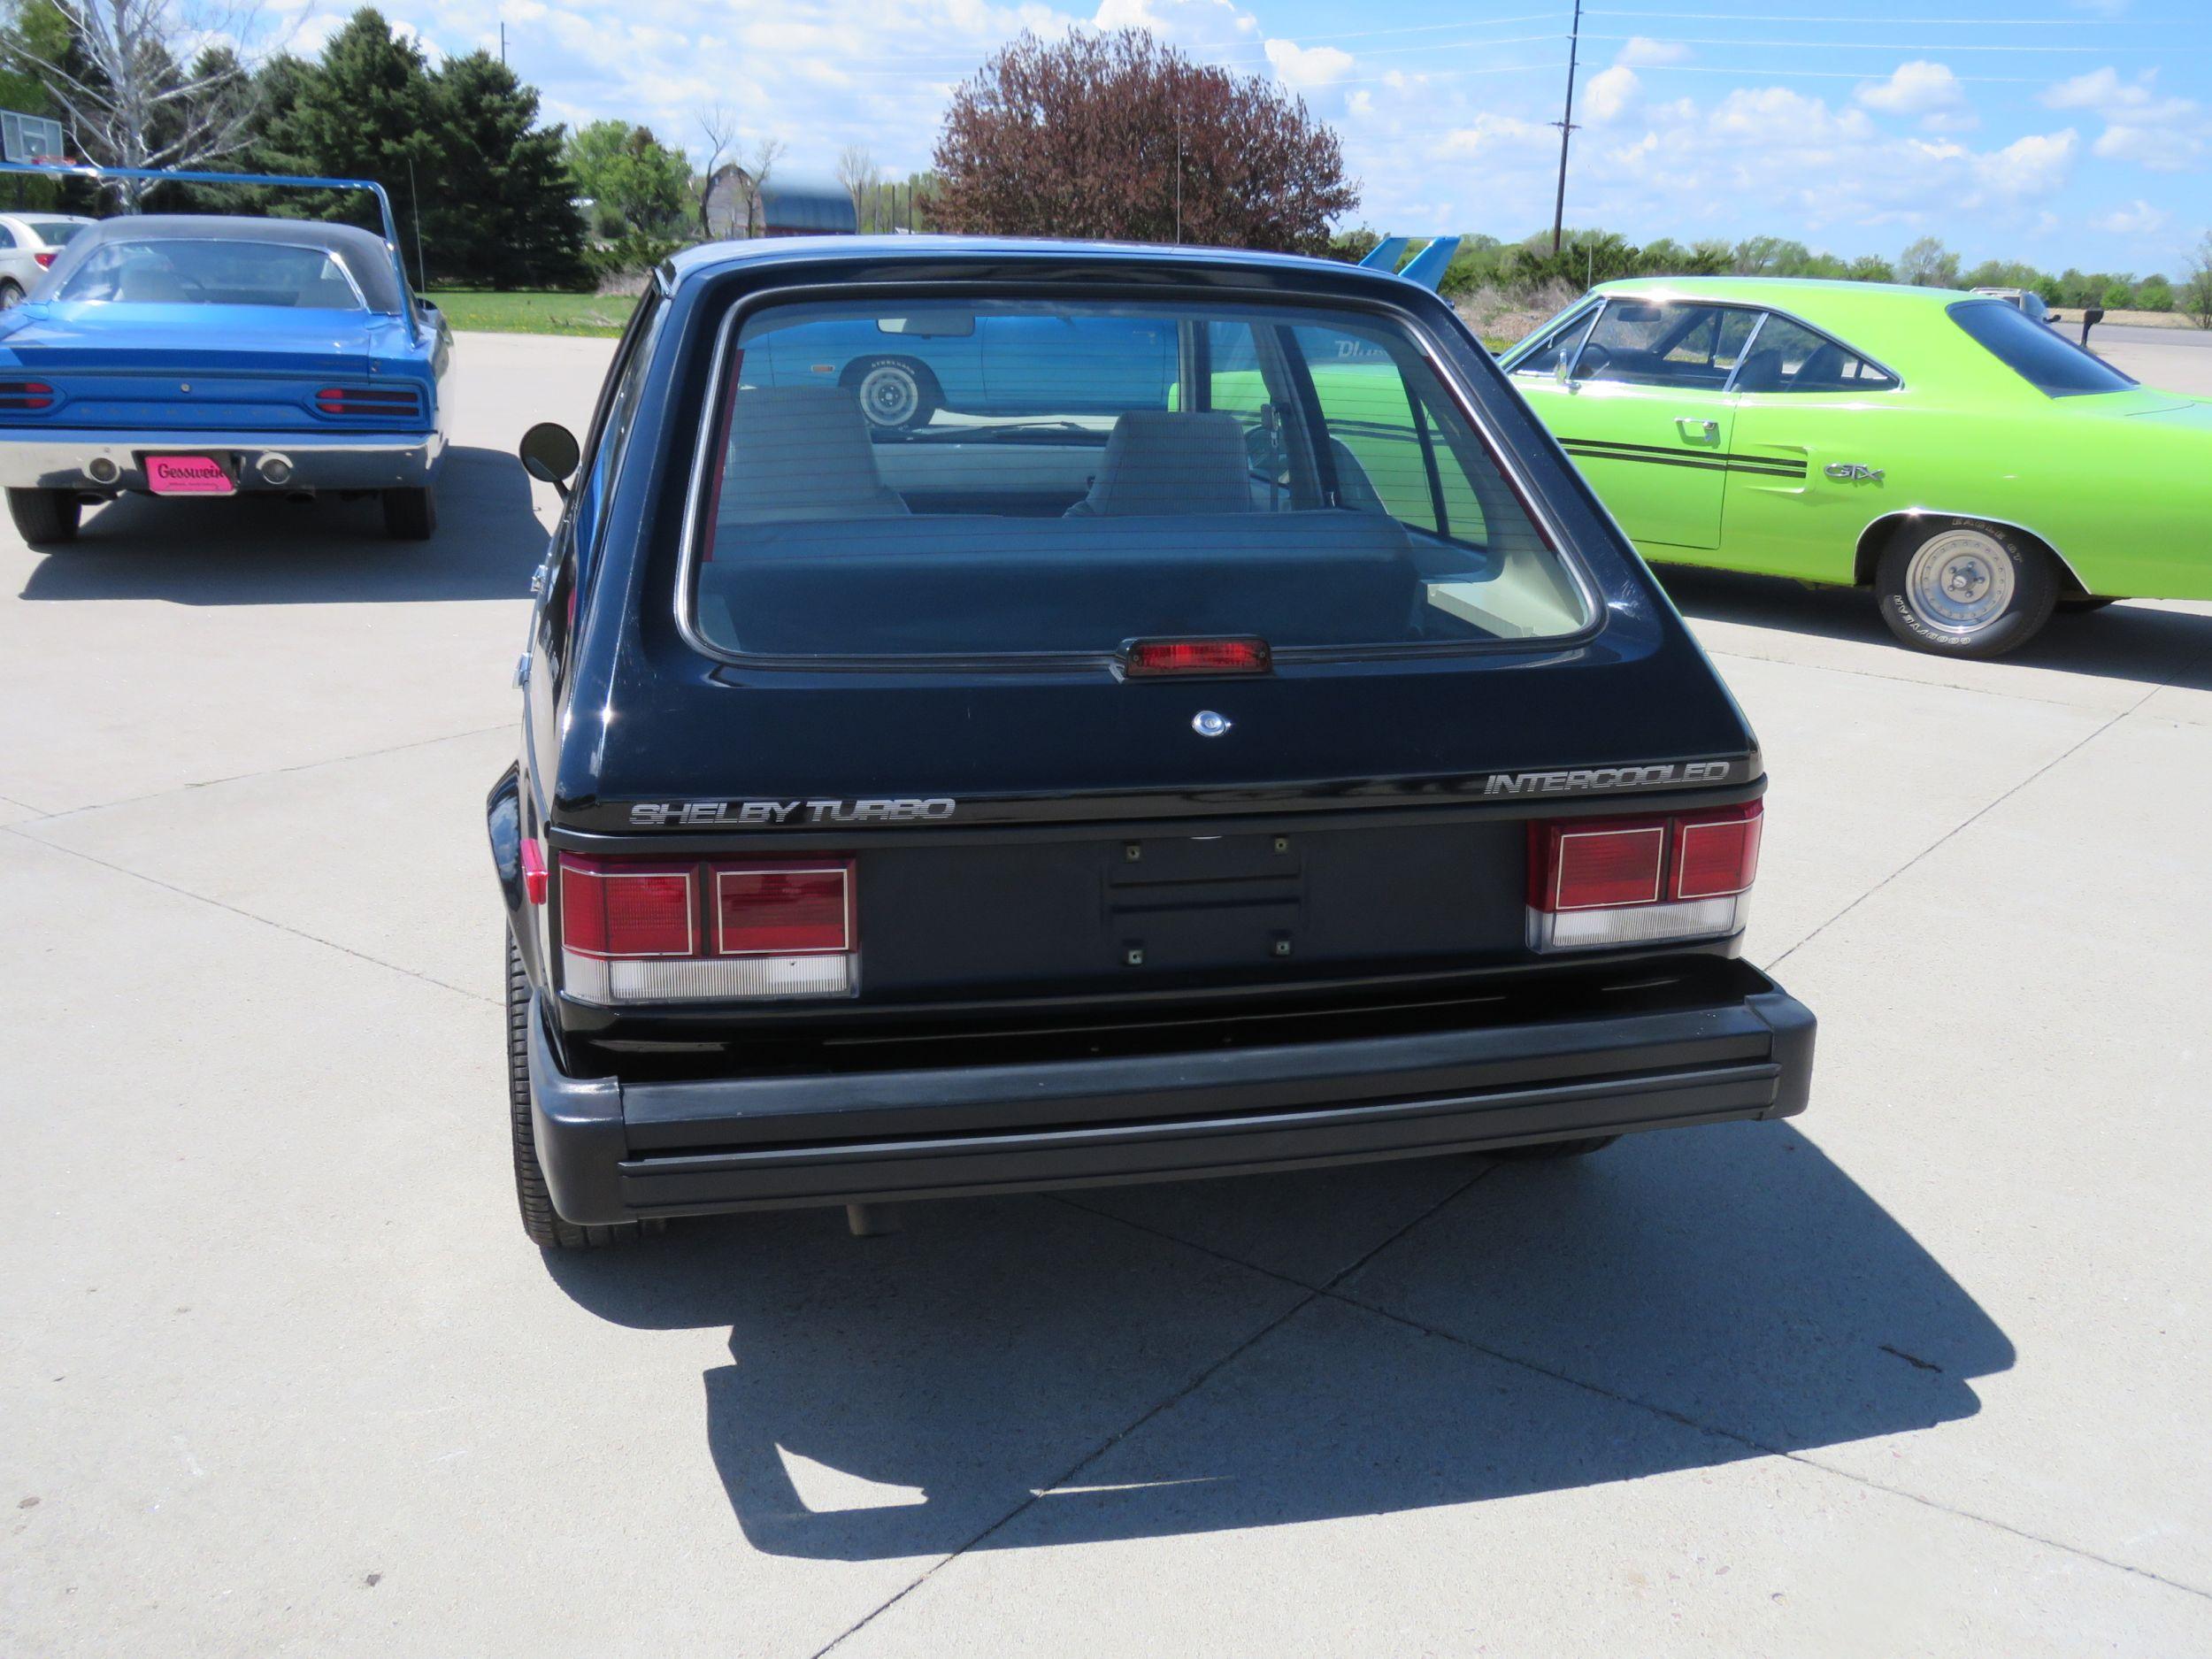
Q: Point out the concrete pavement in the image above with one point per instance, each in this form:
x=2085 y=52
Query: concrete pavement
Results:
x=1922 y=1371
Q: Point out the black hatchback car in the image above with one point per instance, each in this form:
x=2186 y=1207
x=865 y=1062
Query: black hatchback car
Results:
x=1211 y=730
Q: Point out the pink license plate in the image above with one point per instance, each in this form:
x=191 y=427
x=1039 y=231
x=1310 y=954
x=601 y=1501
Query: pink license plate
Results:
x=187 y=476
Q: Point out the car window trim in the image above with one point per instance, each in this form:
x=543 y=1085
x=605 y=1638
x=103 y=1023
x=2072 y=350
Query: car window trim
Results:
x=1509 y=468
x=1833 y=340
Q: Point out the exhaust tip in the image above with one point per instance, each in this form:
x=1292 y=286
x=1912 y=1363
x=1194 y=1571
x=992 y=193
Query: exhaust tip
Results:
x=276 y=469
x=104 y=469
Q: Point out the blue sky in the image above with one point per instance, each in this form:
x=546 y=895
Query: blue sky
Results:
x=2064 y=132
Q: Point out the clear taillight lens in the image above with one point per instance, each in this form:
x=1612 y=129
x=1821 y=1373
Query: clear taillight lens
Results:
x=653 y=931
x=1618 y=882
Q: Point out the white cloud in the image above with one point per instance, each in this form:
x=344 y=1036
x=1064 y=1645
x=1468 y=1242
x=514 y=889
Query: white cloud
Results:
x=2138 y=218
x=1928 y=91
x=2156 y=130
x=1488 y=133
x=1609 y=94
x=1305 y=66
x=1642 y=51
x=1199 y=25
x=2033 y=166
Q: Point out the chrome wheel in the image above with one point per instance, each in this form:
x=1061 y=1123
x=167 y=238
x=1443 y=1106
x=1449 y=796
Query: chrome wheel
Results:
x=1960 y=581
x=890 y=395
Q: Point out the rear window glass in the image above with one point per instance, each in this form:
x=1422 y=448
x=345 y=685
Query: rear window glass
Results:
x=185 y=272
x=2036 y=352
x=55 y=232
x=1020 y=478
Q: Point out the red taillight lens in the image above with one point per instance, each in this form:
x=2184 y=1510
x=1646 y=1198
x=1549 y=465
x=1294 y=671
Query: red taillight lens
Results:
x=782 y=912
x=1196 y=656
x=1716 y=855
x=620 y=911
x=659 y=931
x=1615 y=864
x=367 y=400
x=1597 y=882
x=26 y=395
x=44 y=259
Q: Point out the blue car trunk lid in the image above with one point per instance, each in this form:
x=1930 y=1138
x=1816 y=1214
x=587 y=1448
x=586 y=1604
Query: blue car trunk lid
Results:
x=192 y=367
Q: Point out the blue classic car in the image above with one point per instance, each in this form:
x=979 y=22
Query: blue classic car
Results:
x=202 y=355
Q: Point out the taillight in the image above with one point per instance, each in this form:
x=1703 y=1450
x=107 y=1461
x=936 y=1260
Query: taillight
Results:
x=44 y=259
x=1139 y=658
x=368 y=400
x=26 y=395
x=635 y=930
x=1595 y=883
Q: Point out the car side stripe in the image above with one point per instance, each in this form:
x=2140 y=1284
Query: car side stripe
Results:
x=1760 y=466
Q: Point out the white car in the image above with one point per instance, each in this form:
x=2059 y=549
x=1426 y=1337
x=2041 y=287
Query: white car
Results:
x=28 y=242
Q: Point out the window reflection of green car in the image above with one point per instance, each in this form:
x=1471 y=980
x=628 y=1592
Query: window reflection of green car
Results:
x=1975 y=468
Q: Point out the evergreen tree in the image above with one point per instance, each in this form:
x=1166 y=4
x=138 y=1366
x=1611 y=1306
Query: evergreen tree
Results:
x=365 y=112
x=505 y=218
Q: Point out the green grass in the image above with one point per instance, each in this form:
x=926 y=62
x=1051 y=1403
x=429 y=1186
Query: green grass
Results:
x=481 y=309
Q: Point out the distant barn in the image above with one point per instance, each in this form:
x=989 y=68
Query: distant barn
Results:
x=737 y=208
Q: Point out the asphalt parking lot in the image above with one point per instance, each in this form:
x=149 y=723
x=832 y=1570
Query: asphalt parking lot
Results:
x=1923 y=1370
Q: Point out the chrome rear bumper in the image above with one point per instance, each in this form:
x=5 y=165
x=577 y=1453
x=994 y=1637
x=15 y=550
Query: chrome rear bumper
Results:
x=76 y=459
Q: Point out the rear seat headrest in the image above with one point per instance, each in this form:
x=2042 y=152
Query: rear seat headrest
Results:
x=1159 y=461
x=803 y=452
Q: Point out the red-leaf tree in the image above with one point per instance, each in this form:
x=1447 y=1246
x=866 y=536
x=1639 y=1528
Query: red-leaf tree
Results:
x=1118 y=136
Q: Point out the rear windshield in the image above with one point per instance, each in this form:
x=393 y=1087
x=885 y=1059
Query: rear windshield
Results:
x=190 y=272
x=55 y=232
x=2045 y=358
x=1019 y=479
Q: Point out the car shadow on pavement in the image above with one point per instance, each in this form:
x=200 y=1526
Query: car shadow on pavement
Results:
x=2121 y=641
x=1682 y=1300
x=261 y=550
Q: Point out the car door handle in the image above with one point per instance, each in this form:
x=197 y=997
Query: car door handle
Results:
x=1698 y=431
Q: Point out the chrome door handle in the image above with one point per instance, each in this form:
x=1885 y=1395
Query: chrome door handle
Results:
x=1694 y=429
x=1852 y=470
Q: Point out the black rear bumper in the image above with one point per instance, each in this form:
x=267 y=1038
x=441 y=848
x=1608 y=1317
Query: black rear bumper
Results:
x=613 y=1151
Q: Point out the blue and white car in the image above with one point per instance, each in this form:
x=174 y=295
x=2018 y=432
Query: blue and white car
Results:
x=208 y=355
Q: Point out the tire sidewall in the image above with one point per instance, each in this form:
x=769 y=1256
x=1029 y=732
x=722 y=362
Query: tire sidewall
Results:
x=2035 y=591
x=13 y=294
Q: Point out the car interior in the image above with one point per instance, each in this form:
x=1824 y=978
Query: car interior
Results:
x=1072 y=535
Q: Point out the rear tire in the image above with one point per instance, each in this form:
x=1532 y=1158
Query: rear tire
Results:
x=411 y=515
x=1961 y=587
x=894 y=395
x=10 y=293
x=540 y=1219
x=1544 y=1151
x=45 y=517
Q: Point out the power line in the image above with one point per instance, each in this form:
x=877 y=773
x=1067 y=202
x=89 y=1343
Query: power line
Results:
x=1792 y=17
x=1863 y=46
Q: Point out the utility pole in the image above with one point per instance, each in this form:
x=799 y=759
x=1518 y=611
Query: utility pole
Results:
x=1566 y=126
x=502 y=39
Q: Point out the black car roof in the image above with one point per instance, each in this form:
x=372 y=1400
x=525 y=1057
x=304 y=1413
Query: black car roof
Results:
x=363 y=252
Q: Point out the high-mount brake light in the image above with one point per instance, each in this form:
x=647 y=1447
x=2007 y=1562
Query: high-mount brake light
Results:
x=1142 y=658
x=1597 y=882
x=653 y=930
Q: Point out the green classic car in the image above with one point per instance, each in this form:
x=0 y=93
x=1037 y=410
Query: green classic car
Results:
x=1975 y=468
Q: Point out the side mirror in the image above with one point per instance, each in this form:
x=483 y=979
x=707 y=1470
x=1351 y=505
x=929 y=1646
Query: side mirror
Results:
x=2094 y=314
x=550 y=453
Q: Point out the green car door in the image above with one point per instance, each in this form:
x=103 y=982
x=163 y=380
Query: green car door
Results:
x=1640 y=400
x=1820 y=431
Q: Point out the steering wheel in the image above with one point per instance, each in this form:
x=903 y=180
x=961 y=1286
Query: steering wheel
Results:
x=1592 y=359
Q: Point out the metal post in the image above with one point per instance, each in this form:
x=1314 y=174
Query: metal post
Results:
x=1566 y=126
